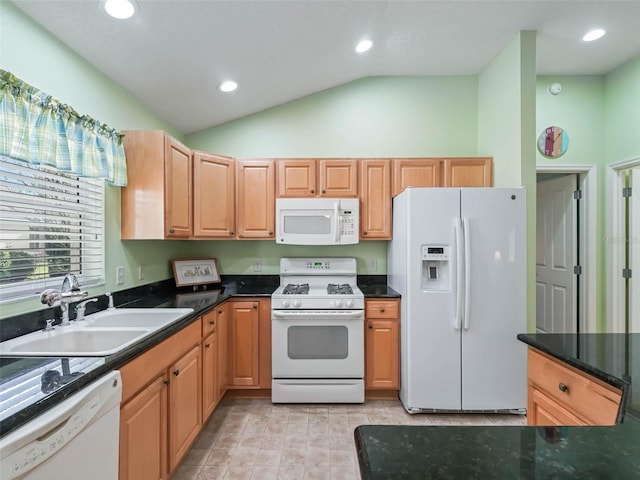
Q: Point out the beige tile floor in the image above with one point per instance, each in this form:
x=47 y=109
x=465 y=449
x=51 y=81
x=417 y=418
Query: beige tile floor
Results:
x=255 y=439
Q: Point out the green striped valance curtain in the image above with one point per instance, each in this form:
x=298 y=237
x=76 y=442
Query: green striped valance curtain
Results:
x=39 y=130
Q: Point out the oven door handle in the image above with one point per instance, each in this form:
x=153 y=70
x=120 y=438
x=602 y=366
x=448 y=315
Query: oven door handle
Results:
x=314 y=314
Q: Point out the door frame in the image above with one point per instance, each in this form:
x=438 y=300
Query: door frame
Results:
x=587 y=177
x=615 y=250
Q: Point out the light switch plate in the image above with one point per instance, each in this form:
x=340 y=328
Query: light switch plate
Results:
x=119 y=275
x=257 y=265
x=373 y=264
x=140 y=272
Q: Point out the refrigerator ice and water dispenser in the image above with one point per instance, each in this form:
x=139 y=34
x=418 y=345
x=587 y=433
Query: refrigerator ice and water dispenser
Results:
x=435 y=268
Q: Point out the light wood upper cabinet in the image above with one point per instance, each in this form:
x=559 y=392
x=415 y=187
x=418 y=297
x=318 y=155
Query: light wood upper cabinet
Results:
x=416 y=172
x=255 y=199
x=157 y=201
x=338 y=178
x=468 y=172
x=297 y=178
x=308 y=177
x=375 y=199
x=214 y=190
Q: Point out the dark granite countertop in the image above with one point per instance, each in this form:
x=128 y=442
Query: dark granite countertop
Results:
x=51 y=380
x=38 y=383
x=505 y=452
x=498 y=452
x=378 y=291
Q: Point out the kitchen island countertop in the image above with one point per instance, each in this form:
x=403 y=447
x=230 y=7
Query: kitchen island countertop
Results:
x=506 y=452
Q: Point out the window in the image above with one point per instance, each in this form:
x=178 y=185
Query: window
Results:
x=51 y=223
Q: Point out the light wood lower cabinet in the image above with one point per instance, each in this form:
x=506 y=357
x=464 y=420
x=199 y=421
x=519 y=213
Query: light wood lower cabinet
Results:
x=161 y=406
x=249 y=360
x=185 y=405
x=143 y=434
x=222 y=322
x=559 y=394
x=382 y=346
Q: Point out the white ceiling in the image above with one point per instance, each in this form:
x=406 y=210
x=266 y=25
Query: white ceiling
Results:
x=173 y=54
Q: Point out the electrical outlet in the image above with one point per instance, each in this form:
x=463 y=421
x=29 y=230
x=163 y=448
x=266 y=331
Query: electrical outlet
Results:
x=119 y=275
x=257 y=265
x=140 y=272
x=373 y=264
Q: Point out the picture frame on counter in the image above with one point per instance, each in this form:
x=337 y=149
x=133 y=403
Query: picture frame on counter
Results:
x=195 y=272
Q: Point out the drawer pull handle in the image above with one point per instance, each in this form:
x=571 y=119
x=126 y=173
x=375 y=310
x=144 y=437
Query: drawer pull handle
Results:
x=562 y=387
x=370 y=326
x=382 y=310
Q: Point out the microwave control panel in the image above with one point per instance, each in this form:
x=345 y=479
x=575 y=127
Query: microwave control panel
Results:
x=347 y=223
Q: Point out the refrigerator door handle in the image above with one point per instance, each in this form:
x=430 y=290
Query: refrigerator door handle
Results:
x=467 y=270
x=457 y=228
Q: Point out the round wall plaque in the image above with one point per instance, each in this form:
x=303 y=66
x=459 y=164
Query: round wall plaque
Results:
x=553 y=142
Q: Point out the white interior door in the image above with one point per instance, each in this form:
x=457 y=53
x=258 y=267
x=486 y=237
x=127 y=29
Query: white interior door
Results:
x=556 y=255
x=634 y=252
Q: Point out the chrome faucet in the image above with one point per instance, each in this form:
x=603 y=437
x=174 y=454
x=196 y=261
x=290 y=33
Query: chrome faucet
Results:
x=70 y=292
x=80 y=308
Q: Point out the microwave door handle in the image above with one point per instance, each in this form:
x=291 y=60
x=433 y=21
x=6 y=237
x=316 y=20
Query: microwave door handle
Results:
x=337 y=222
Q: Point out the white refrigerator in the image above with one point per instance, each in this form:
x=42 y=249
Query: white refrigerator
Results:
x=458 y=259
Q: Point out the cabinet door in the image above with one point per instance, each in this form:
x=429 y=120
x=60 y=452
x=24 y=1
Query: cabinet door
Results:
x=375 y=199
x=222 y=320
x=338 y=178
x=244 y=344
x=297 y=178
x=143 y=434
x=415 y=172
x=210 y=389
x=468 y=172
x=214 y=202
x=185 y=405
x=256 y=199
x=178 y=189
x=543 y=410
x=381 y=370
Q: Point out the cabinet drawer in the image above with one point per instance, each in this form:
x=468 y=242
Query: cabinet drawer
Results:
x=209 y=323
x=381 y=309
x=585 y=395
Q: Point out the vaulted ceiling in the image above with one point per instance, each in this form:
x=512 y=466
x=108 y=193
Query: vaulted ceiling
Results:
x=173 y=54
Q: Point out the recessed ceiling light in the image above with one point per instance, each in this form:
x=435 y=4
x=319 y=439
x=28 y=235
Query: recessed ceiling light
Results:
x=228 y=86
x=364 y=45
x=593 y=35
x=120 y=9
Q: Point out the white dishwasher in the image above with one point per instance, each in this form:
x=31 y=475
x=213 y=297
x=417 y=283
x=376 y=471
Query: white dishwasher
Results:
x=75 y=440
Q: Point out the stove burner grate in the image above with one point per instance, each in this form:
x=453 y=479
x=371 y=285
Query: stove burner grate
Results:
x=296 y=289
x=342 y=289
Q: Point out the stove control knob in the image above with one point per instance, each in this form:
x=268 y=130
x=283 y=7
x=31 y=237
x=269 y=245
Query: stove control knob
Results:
x=338 y=303
x=297 y=303
x=285 y=303
x=349 y=303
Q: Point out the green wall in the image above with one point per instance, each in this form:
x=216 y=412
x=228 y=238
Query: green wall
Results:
x=371 y=117
x=622 y=113
x=38 y=58
x=506 y=114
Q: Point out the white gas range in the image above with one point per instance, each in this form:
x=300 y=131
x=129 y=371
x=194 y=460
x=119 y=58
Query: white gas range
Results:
x=317 y=332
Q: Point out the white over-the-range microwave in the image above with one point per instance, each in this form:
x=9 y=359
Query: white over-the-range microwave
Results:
x=317 y=221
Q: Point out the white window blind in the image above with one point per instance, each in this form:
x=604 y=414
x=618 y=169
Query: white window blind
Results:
x=51 y=223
